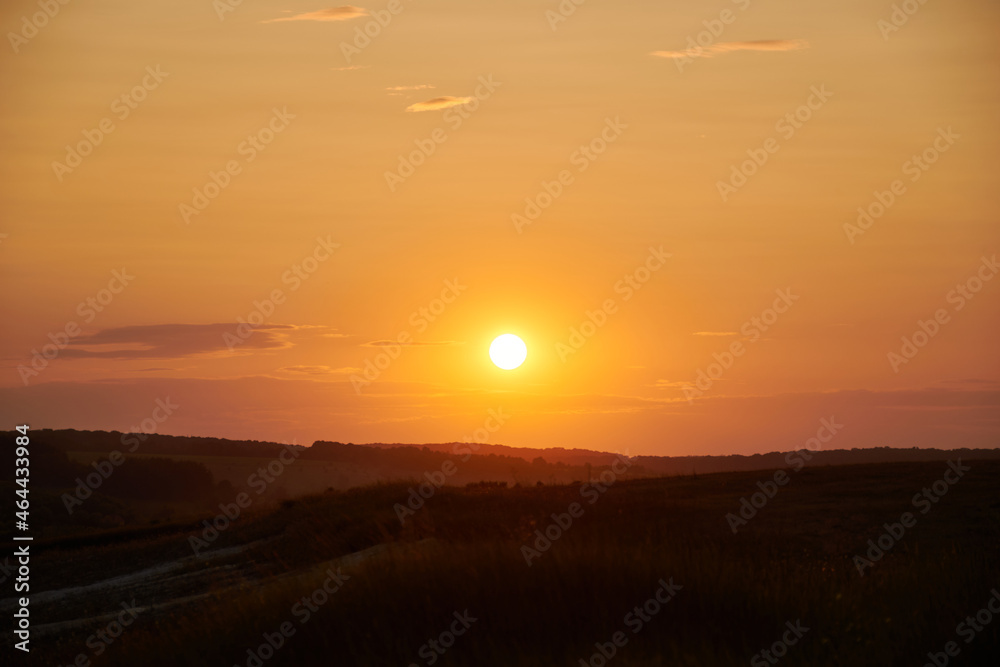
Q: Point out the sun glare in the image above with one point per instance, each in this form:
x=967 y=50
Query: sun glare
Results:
x=508 y=351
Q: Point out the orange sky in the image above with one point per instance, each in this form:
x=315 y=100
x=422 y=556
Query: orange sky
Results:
x=612 y=120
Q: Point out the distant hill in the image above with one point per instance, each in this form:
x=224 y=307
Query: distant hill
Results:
x=401 y=456
x=401 y=462
x=154 y=443
x=574 y=457
x=687 y=465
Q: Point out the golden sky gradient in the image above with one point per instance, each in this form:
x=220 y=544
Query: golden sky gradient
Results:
x=302 y=131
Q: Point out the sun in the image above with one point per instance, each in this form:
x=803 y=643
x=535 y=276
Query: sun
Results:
x=508 y=351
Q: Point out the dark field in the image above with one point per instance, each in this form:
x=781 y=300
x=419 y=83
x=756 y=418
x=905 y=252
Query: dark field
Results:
x=732 y=593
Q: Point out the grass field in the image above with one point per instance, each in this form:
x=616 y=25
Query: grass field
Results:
x=401 y=585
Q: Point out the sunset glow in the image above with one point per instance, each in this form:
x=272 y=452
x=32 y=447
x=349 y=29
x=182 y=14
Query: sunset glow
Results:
x=319 y=233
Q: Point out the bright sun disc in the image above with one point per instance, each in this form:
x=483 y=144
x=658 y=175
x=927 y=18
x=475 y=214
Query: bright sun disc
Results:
x=508 y=351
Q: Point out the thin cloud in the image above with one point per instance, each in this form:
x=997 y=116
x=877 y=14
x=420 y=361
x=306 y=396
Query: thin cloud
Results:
x=400 y=91
x=351 y=67
x=320 y=370
x=345 y=13
x=671 y=384
x=971 y=381
x=388 y=343
x=439 y=103
x=730 y=47
x=171 y=341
